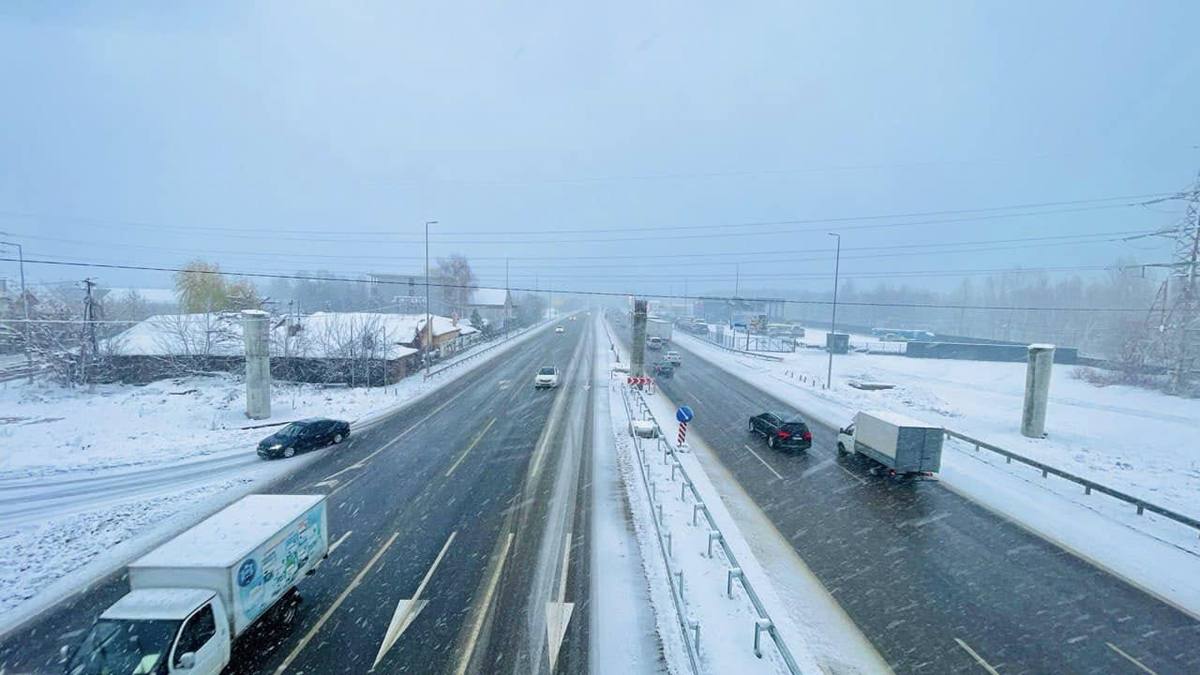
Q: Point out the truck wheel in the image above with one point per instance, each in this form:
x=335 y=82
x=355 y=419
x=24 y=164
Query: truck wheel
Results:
x=289 y=452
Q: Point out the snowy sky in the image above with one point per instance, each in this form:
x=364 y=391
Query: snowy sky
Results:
x=285 y=136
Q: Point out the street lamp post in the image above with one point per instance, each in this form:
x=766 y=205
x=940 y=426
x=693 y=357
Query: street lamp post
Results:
x=24 y=306
x=837 y=263
x=428 y=310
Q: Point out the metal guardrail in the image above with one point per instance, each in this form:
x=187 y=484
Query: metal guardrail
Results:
x=766 y=357
x=1088 y=485
x=499 y=343
x=763 y=623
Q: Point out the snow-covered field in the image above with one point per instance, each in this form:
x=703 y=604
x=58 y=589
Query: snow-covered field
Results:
x=1132 y=440
x=89 y=477
x=1139 y=441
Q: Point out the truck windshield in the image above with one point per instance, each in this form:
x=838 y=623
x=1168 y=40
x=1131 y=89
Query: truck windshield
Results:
x=125 y=647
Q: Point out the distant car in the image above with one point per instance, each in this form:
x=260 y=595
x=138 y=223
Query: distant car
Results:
x=663 y=369
x=559 y=329
x=546 y=378
x=789 y=434
x=573 y=317
x=309 y=434
x=672 y=357
x=654 y=343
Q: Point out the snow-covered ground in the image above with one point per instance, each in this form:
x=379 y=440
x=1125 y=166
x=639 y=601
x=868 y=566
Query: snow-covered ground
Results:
x=1137 y=441
x=90 y=477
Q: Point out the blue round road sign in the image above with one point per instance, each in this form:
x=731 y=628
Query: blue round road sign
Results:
x=684 y=414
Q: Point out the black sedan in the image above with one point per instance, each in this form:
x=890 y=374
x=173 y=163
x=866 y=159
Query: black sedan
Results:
x=786 y=433
x=309 y=434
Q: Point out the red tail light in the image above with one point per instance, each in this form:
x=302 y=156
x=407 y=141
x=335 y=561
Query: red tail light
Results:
x=807 y=436
x=784 y=435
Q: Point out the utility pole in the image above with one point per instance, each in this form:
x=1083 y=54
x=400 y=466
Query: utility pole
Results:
x=88 y=347
x=428 y=309
x=837 y=264
x=737 y=279
x=24 y=306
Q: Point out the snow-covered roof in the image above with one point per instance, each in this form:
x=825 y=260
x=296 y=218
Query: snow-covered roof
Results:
x=232 y=533
x=211 y=334
x=319 y=335
x=487 y=297
x=158 y=603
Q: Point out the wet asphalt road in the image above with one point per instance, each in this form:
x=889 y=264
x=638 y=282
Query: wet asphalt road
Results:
x=475 y=474
x=937 y=583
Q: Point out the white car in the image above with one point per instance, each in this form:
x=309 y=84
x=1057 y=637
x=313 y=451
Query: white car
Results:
x=559 y=329
x=546 y=378
x=672 y=357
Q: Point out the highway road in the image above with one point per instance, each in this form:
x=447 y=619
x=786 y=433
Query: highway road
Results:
x=937 y=583
x=461 y=530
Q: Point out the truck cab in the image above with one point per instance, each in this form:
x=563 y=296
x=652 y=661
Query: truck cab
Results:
x=157 y=631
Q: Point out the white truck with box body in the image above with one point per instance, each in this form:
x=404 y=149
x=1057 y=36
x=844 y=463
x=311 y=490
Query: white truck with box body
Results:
x=192 y=596
x=903 y=444
x=659 y=329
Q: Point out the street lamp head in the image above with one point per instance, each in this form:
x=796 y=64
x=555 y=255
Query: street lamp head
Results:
x=834 y=234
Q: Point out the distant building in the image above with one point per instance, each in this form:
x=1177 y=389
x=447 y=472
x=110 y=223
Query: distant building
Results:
x=494 y=305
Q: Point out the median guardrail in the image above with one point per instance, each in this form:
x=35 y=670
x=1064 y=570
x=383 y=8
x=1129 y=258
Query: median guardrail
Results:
x=1089 y=486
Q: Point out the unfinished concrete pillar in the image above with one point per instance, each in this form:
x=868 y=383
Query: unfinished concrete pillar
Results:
x=256 y=334
x=1037 y=390
x=637 y=357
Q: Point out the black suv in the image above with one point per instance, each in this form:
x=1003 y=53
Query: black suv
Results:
x=790 y=433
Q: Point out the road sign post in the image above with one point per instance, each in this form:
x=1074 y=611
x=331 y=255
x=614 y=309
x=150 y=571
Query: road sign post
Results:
x=683 y=415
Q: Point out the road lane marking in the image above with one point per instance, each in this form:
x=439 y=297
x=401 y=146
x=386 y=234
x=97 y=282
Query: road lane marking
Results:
x=852 y=474
x=333 y=608
x=407 y=609
x=1129 y=658
x=339 y=541
x=464 y=659
x=470 y=447
x=558 y=612
x=978 y=659
x=764 y=462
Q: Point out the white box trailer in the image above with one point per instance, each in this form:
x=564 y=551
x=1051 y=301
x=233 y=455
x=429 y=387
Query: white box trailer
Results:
x=899 y=442
x=659 y=329
x=192 y=596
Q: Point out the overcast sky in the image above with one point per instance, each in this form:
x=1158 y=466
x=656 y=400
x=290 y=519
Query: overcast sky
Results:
x=290 y=136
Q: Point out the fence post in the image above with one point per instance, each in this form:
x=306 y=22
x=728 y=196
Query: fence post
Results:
x=733 y=572
x=696 y=508
x=759 y=626
x=713 y=535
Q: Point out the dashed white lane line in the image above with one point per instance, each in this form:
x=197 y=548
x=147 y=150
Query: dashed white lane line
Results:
x=764 y=462
x=978 y=659
x=470 y=447
x=852 y=474
x=333 y=608
x=464 y=658
x=338 y=543
x=1130 y=659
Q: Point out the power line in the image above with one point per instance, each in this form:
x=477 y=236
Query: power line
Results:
x=610 y=294
x=305 y=235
